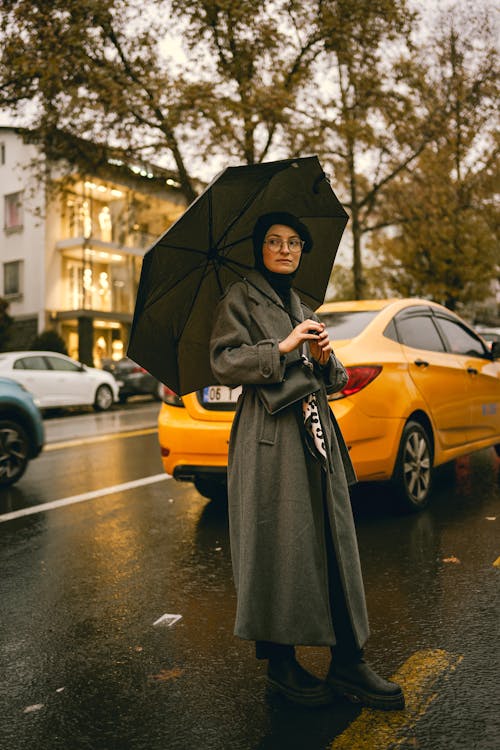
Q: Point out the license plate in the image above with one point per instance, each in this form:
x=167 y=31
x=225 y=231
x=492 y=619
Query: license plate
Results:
x=220 y=394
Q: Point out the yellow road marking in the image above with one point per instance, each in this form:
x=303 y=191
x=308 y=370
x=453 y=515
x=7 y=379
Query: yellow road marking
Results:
x=98 y=439
x=497 y=563
x=381 y=730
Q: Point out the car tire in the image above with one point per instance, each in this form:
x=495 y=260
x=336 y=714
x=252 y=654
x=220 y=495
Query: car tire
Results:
x=14 y=452
x=412 y=476
x=213 y=489
x=103 y=398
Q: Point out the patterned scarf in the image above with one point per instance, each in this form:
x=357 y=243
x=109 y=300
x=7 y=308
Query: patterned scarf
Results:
x=312 y=422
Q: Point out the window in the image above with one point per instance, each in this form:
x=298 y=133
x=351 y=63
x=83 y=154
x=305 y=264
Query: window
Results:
x=13 y=211
x=346 y=325
x=461 y=340
x=30 y=363
x=2 y=154
x=390 y=331
x=419 y=332
x=12 y=278
x=57 y=363
x=89 y=217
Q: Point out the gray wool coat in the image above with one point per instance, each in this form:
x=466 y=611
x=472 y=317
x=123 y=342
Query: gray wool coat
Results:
x=276 y=513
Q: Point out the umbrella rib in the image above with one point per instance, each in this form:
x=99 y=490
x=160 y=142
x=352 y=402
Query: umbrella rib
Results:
x=193 y=300
x=154 y=300
x=236 y=242
x=219 y=282
x=245 y=208
x=224 y=260
x=184 y=249
x=202 y=266
x=210 y=224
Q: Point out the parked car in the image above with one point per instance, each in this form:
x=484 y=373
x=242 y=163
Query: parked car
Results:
x=21 y=431
x=423 y=389
x=134 y=380
x=58 y=381
x=488 y=334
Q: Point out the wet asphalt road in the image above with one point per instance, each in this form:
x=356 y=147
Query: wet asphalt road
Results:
x=83 y=666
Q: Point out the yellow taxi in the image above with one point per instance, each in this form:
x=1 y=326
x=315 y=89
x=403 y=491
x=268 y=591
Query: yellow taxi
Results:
x=423 y=389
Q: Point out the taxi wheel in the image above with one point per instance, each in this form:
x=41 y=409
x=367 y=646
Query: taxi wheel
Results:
x=214 y=489
x=412 y=477
x=103 y=398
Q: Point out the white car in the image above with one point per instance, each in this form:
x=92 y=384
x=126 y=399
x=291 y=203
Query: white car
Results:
x=57 y=381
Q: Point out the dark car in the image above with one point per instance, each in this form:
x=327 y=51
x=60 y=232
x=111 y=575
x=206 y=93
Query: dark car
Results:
x=134 y=380
x=490 y=335
x=21 y=430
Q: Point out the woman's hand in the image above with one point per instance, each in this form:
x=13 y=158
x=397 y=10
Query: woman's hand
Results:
x=320 y=348
x=316 y=336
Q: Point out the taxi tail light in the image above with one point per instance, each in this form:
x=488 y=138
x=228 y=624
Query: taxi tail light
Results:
x=359 y=377
x=138 y=368
x=168 y=396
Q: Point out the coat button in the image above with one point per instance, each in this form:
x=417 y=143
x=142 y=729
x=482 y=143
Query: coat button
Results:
x=266 y=371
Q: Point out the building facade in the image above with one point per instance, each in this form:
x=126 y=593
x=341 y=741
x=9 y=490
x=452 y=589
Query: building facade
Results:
x=71 y=249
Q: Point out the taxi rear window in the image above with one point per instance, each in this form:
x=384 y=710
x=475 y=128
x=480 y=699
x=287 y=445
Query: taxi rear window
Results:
x=348 y=323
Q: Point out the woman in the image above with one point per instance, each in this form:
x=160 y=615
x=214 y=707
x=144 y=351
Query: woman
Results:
x=293 y=544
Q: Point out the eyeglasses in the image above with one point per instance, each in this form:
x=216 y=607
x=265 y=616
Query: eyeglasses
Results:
x=275 y=244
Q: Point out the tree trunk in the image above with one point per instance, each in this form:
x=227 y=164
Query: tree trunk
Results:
x=357 y=263
x=184 y=178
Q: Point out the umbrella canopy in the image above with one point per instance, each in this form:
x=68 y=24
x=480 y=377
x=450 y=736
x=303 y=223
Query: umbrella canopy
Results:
x=188 y=268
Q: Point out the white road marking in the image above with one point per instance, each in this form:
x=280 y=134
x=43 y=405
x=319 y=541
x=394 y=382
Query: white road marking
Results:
x=34 y=707
x=84 y=496
x=56 y=446
x=167 y=620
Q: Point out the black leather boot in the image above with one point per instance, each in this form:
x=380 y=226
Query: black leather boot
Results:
x=287 y=677
x=356 y=680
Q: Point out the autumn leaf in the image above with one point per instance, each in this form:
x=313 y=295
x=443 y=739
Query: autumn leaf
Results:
x=165 y=675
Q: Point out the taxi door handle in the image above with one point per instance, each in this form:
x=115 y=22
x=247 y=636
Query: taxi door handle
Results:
x=472 y=371
x=421 y=363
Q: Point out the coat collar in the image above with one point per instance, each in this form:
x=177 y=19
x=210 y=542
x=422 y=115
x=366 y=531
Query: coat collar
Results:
x=261 y=290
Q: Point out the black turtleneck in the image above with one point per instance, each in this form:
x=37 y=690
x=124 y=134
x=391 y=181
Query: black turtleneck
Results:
x=281 y=283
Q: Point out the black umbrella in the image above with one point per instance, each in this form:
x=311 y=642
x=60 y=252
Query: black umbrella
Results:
x=187 y=269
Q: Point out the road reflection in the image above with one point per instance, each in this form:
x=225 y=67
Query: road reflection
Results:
x=82 y=587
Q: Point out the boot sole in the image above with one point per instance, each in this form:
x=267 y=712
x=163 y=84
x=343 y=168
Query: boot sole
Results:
x=320 y=698
x=372 y=700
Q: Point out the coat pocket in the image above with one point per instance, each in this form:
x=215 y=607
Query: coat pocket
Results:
x=267 y=427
